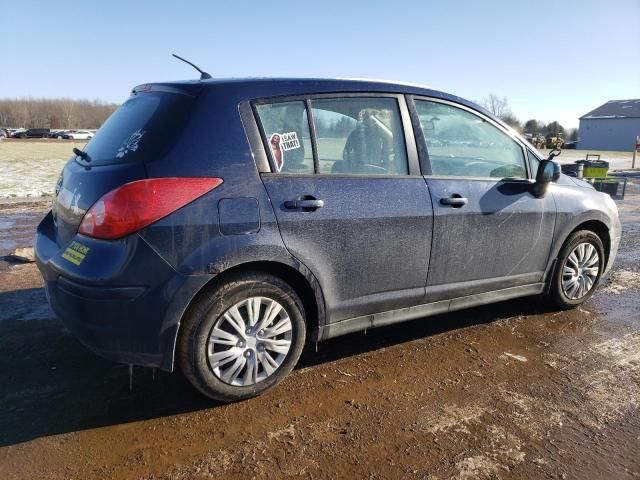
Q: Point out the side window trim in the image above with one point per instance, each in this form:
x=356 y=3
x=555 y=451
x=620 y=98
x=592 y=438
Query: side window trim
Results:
x=312 y=134
x=253 y=132
x=410 y=143
x=423 y=150
x=409 y=136
x=421 y=143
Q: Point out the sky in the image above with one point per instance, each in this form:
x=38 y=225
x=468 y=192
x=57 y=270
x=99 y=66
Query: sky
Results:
x=552 y=59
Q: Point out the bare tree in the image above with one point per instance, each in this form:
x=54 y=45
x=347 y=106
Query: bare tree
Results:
x=499 y=106
x=67 y=111
x=62 y=113
x=496 y=105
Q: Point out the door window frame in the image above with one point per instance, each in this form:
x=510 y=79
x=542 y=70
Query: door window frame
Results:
x=413 y=159
x=423 y=151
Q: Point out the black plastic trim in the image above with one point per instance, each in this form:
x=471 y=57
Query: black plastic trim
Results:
x=99 y=293
x=395 y=316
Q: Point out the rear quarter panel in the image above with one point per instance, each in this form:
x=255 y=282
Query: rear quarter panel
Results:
x=214 y=145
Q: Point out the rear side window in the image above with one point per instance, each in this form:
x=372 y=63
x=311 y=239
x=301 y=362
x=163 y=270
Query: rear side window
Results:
x=466 y=145
x=359 y=135
x=286 y=129
x=141 y=129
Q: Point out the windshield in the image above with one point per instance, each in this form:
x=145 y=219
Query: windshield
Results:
x=141 y=129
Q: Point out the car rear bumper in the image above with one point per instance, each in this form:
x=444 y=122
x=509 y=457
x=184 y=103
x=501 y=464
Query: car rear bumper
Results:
x=120 y=299
x=109 y=321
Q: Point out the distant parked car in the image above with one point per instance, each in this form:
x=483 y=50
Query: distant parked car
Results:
x=33 y=133
x=4 y=133
x=79 y=135
x=570 y=145
x=57 y=133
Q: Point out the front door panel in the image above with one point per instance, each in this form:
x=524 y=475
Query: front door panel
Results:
x=500 y=238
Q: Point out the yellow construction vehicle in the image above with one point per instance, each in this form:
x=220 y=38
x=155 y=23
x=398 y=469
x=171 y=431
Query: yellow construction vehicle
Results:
x=554 y=141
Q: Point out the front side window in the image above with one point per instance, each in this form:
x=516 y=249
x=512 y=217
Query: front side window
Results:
x=286 y=130
x=359 y=135
x=461 y=144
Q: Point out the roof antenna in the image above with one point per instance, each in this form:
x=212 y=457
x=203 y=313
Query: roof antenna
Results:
x=203 y=75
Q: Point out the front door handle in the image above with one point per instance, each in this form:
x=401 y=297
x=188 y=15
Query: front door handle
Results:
x=455 y=201
x=305 y=202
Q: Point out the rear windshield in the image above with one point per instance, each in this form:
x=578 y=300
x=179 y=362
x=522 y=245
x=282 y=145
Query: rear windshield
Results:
x=141 y=129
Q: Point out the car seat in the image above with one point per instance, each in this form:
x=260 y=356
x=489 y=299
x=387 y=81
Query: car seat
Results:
x=367 y=149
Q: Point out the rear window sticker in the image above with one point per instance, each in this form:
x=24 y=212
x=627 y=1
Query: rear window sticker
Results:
x=280 y=143
x=132 y=144
x=276 y=149
x=289 y=141
x=76 y=253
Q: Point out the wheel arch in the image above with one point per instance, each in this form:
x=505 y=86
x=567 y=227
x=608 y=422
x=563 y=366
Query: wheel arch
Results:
x=304 y=284
x=593 y=225
x=296 y=275
x=600 y=229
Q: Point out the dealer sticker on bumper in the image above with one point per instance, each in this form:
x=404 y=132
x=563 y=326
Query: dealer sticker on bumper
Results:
x=75 y=253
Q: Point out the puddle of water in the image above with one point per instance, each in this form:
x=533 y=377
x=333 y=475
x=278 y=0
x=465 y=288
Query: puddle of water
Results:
x=17 y=230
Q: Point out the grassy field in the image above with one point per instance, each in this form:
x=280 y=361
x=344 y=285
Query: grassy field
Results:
x=29 y=168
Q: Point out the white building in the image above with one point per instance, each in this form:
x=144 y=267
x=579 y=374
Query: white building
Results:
x=612 y=126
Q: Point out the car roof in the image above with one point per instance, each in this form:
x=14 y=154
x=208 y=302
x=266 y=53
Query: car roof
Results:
x=252 y=88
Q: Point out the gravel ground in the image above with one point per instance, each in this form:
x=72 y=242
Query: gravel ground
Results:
x=511 y=390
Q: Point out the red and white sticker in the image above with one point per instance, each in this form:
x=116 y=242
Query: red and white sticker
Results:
x=280 y=143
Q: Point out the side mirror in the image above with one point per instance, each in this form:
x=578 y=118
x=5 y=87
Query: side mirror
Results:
x=548 y=171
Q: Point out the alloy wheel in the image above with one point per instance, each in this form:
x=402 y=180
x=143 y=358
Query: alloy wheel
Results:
x=249 y=342
x=580 y=271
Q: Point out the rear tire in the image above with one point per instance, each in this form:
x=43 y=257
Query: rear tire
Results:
x=230 y=353
x=578 y=270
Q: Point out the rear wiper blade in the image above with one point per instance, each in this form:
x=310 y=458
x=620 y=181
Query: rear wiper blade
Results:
x=82 y=154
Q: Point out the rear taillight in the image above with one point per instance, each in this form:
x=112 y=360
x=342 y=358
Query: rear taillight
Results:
x=135 y=205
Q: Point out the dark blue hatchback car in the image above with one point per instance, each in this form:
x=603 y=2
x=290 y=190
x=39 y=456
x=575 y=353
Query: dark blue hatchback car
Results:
x=218 y=225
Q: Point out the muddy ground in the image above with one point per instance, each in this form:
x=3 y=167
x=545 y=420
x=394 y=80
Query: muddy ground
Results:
x=504 y=391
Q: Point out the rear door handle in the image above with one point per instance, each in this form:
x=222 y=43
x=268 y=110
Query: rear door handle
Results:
x=455 y=201
x=305 y=202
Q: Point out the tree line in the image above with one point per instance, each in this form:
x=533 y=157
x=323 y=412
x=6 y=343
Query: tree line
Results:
x=55 y=113
x=499 y=106
x=67 y=113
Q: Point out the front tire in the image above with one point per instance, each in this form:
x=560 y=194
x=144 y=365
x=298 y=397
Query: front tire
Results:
x=242 y=338
x=580 y=264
